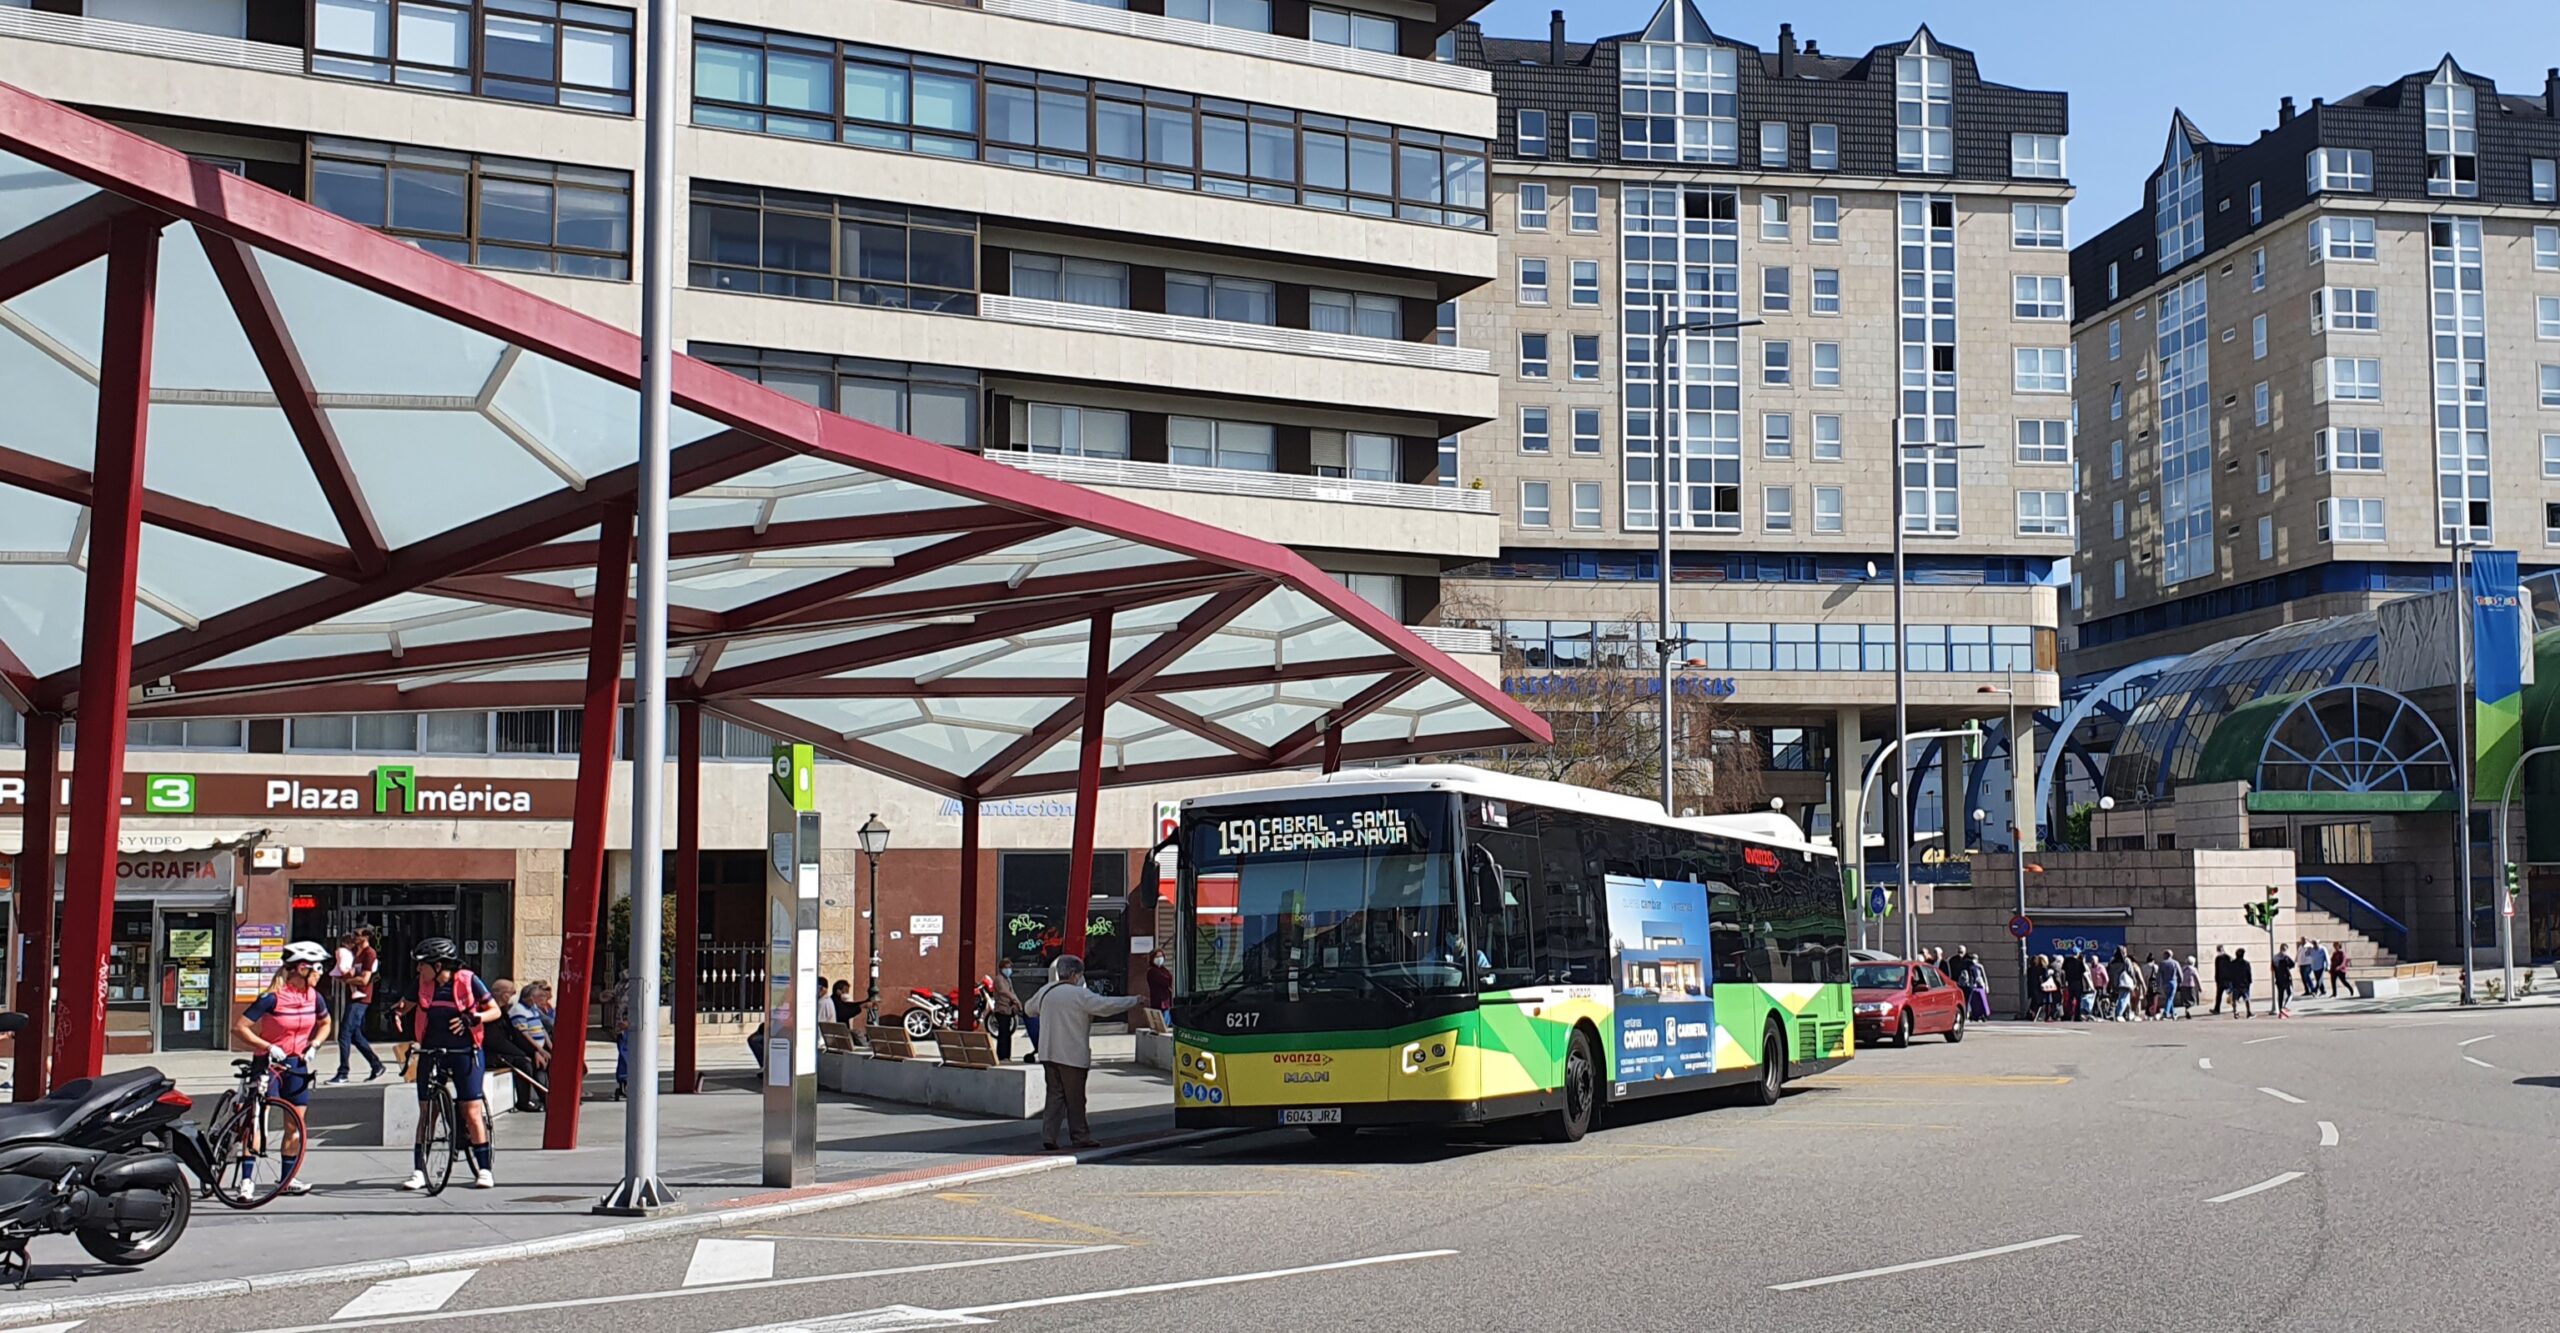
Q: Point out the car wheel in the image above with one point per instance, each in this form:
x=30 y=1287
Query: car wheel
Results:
x=1955 y=1030
x=1902 y=1029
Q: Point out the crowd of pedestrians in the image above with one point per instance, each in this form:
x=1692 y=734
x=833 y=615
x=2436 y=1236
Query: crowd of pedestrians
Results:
x=2083 y=986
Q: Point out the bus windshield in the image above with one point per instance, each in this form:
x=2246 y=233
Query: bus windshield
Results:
x=1352 y=897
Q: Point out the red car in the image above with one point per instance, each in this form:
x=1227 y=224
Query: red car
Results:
x=1905 y=1000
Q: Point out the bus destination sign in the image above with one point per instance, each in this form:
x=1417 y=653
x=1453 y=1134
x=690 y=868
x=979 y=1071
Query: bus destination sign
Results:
x=1386 y=830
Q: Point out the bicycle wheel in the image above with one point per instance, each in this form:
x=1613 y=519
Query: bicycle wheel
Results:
x=249 y=1151
x=436 y=1130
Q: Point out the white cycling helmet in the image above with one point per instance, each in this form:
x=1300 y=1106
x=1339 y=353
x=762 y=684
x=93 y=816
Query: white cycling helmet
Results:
x=304 y=951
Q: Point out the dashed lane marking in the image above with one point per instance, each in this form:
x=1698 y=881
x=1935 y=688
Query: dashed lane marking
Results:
x=2480 y=1062
x=2474 y=1041
x=2328 y=1135
x=405 y=1295
x=2286 y=1179
x=2281 y=1095
x=2260 y=1041
x=1865 y=1273
x=2204 y=1062
x=847 y=1238
x=718 y=1262
x=1944 y=1080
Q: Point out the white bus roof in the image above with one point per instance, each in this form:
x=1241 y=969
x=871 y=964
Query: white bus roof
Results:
x=1767 y=827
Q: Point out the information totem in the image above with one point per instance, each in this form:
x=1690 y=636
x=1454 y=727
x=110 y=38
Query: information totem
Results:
x=791 y=971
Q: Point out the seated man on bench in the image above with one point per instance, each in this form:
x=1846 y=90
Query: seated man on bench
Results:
x=521 y=1045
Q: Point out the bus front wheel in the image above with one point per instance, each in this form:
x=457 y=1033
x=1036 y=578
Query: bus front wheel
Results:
x=1581 y=1091
x=1765 y=1089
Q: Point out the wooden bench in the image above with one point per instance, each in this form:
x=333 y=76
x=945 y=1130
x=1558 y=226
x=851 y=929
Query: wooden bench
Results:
x=966 y=1050
x=888 y=1041
x=836 y=1037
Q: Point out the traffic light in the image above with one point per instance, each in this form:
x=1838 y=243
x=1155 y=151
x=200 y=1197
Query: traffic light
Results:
x=2515 y=879
x=2261 y=914
x=1973 y=740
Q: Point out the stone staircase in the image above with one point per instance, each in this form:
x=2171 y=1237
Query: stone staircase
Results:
x=2364 y=953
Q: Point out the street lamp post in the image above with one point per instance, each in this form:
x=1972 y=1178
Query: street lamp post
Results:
x=2456 y=543
x=875 y=840
x=2017 y=838
x=1666 y=642
x=1902 y=685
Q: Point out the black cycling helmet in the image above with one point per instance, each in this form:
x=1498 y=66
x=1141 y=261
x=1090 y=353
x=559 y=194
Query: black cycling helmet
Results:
x=438 y=950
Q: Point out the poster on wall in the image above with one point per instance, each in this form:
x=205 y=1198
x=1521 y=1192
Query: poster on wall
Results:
x=257 y=954
x=1666 y=996
x=2059 y=941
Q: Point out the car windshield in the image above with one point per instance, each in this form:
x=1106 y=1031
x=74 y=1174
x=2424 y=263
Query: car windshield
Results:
x=1355 y=897
x=1872 y=976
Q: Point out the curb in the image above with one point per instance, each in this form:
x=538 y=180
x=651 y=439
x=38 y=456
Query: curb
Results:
x=761 y=1208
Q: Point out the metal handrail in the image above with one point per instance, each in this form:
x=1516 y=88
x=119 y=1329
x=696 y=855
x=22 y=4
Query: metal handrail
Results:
x=146 y=40
x=1085 y=471
x=1227 y=333
x=2391 y=934
x=1461 y=78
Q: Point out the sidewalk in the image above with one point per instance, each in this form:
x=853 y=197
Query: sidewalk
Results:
x=710 y=1151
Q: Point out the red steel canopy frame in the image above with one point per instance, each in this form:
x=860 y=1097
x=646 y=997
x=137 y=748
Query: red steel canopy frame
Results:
x=376 y=480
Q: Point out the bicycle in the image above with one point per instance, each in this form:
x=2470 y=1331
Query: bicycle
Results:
x=250 y=1125
x=439 y=1117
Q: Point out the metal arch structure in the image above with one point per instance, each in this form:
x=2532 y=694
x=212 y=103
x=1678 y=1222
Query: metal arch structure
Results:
x=2353 y=738
x=269 y=462
x=2100 y=694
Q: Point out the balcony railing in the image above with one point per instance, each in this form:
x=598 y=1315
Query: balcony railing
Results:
x=1452 y=640
x=1293 y=50
x=1225 y=333
x=145 y=40
x=1230 y=481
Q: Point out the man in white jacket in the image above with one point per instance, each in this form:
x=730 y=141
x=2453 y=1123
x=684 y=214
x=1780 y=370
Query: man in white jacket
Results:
x=1066 y=1009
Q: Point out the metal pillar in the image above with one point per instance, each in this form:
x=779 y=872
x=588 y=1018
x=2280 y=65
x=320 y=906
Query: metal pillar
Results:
x=1662 y=635
x=1848 y=813
x=967 y=952
x=583 y=894
x=106 y=647
x=2459 y=542
x=31 y=973
x=1097 y=705
x=688 y=893
x=1332 y=748
x=1903 y=796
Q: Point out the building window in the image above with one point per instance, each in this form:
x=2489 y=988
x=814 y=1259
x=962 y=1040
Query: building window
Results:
x=1534 y=438
x=2038 y=298
x=2347 y=449
x=1221 y=297
x=2044 y=513
x=2035 y=156
x=1826 y=219
x=1777 y=508
x=496 y=212
x=1828 y=510
x=2551 y=458
x=1822 y=147
x=1826 y=365
x=2343 y=239
x=2115 y=461
x=1586 y=430
x=1247 y=15
x=572 y=55
x=2115 y=340
x=1773 y=217
x=1533 y=282
x=2338 y=171
x=1444 y=324
x=1826 y=291
x=1533 y=356
x=1777 y=361
x=1084 y=432
x=2119 y=520
x=1240 y=446
x=2044 y=370
x=1449 y=461
x=937 y=403
x=1777 y=290
x=2258 y=269
x=1360 y=314
x=2546 y=317
x=1924 y=111
x=1584 y=201
x=1777 y=435
x=2347 y=379
x=1361 y=455
x=1533 y=505
x=1586 y=356
x=2111 y=286
x=2348 y=520
x=1532 y=201
x=1586 y=282
x=2265 y=403
x=2551 y=386
x=2266 y=471
x=2258 y=338
x=2266 y=538
x=786 y=243
x=2044 y=440
x=1773 y=143
x=2257 y=211
x=2546 y=248
x=2551 y=524
x=2119 y=580
x=2038 y=227
x=2453 y=136
x=1092 y=282
x=1826 y=438
x=2178 y=209
x=1586 y=504
x=1677 y=97
x=1362 y=32
x=1583 y=135
x=1532 y=140
x=2346 y=310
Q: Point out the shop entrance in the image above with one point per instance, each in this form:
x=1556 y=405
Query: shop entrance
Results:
x=1031 y=897
x=194 y=985
x=475 y=917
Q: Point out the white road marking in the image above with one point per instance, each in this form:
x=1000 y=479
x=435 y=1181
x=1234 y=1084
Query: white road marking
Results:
x=64 y=1327
x=1865 y=1273
x=723 y=1261
x=2480 y=1062
x=2255 y=1041
x=886 y=1319
x=2281 y=1095
x=2286 y=1179
x=2203 y=1062
x=770 y=1284
x=2474 y=1041
x=2328 y=1135
x=405 y=1295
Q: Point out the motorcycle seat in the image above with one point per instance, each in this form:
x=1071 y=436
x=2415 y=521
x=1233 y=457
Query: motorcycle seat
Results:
x=70 y=1104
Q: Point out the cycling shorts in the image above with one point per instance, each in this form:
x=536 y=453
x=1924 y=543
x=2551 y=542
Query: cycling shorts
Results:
x=292 y=1080
x=466 y=1067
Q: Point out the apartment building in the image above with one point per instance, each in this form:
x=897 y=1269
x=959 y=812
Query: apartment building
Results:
x=1186 y=251
x=2310 y=357
x=1893 y=225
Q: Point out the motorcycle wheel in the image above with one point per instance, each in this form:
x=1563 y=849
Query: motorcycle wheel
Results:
x=920 y=1025
x=141 y=1247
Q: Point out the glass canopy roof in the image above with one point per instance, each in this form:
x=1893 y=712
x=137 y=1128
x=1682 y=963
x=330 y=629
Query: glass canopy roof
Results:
x=376 y=480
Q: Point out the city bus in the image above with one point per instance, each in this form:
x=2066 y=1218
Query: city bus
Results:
x=1442 y=945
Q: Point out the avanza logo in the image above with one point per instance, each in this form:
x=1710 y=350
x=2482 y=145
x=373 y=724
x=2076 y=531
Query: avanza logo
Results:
x=1302 y=1058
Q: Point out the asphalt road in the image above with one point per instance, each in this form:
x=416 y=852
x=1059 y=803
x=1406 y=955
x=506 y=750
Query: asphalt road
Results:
x=2369 y=1171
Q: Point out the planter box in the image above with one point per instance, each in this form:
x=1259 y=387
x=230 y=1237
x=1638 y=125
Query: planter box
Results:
x=1154 y=1050
x=1009 y=1092
x=400 y=1106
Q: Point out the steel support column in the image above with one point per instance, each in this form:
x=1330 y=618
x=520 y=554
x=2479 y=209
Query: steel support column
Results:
x=106 y=646
x=968 y=951
x=1333 y=749
x=584 y=891
x=1097 y=706
x=688 y=1008
x=31 y=968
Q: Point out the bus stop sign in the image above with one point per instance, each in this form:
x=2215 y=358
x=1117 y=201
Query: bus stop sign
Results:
x=2020 y=927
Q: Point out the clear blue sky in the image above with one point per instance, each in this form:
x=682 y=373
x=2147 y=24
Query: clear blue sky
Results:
x=2127 y=66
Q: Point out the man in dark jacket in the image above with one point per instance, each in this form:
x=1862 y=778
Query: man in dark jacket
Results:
x=2241 y=975
x=2075 y=982
x=2221 y=976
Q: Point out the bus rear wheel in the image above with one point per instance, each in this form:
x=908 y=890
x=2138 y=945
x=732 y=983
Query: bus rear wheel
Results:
x=1766 y=1089
x=1581 y=1091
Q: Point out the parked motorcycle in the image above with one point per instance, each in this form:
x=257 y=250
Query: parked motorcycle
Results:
x=102 y=1160
x=929 y=1010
